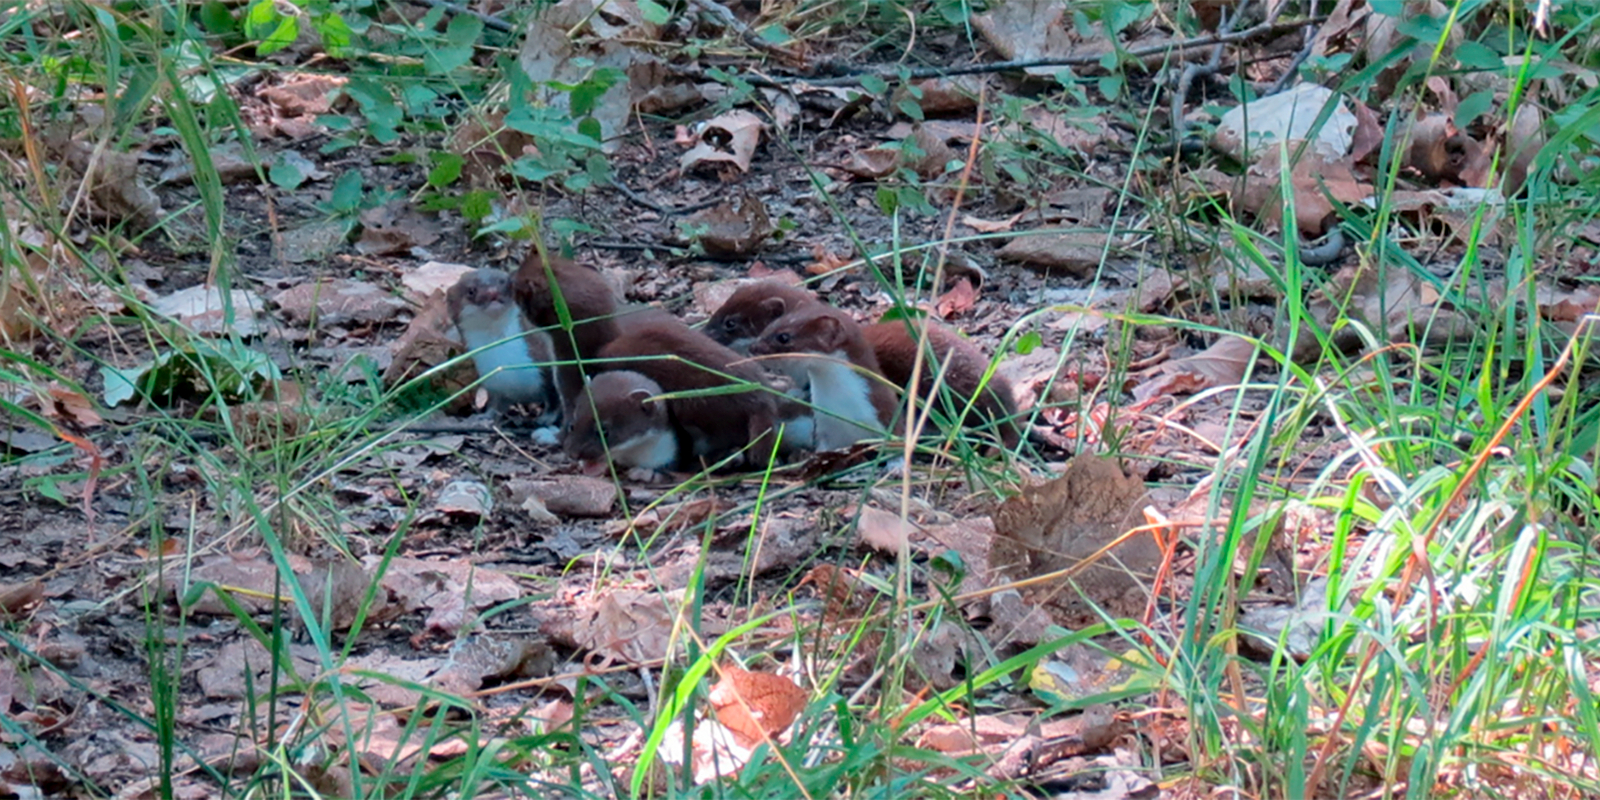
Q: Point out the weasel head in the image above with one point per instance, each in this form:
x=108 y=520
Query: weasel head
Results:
x=615 y=409
x=823 y=329
x=750 y=309
x=486 y=291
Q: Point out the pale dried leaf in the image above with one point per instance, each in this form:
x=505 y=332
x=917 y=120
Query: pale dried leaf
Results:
x=1224 y=363
x=729 y=138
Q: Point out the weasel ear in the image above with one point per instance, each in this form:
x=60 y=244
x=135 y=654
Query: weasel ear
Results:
x=642 y=397
x=830 y=332
x=775 y=306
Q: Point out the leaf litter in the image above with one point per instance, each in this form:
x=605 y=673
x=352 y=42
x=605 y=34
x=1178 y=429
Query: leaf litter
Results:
x=514 y=540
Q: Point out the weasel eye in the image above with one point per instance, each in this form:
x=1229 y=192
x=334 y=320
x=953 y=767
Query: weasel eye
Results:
x=783 y=338
x=730 y=323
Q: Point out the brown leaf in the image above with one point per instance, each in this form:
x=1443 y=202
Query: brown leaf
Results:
x=735 y=228
x=1076 y=252
x=338 y=302
x=728 y=138
x=1072 y=522
x=883 y=531
x=303 y=94
x=874 y=163
x=395 y=228
x=16 y=597
x=756 y=706
x=994 y=226
x=960 y=298
x=573 y=496
x=1224 y=363
x=70 y=406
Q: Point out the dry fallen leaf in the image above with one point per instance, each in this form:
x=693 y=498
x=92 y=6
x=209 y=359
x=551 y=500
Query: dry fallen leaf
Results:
x=569 y=495
x=205 y=310
x=1076 y=252
x=16 y=597
x=756 y=705
x=883 y=531
x=338 y=302
x=1224 y=363
x=729 y=138
x=432 y=278
x=732 y=229
x=962 y=295
x=1065 y=523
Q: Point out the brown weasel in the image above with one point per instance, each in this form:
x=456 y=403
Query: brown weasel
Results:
x=712 y=426
x=633 y=428
x=750 y=309
x=512 y=358
x=964 y=365
x=848 y=405
x=541 y=286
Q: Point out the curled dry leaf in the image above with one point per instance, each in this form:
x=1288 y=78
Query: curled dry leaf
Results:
x=395 y=228
x=70 y=406
x=1077 y=253
x=756 y=706
x=1224 y=363
x=573 y=496
x=730 y=138
x=1317 y=184
x=1031 y=31
x=960 y=298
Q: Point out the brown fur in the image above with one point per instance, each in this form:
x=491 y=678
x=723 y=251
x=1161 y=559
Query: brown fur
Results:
x=895 y=345
x=629 y=421
x=754 y=306
x=711 y=427
x=820 y=336
x=590 y=306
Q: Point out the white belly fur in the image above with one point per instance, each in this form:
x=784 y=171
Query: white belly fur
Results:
x=517 y=381
x=843 y=399
x=657 y=450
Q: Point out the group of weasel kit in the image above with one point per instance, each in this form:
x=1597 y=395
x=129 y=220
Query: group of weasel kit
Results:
x=638 y=389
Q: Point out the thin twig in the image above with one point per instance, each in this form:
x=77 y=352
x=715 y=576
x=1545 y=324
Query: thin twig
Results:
x=893 y=72
x=749 y=37
x=489 y=20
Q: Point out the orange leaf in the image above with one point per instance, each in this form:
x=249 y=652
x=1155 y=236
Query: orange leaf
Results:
x=756 y=705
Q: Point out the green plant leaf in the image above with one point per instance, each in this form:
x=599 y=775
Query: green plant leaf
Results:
x=460 y=39
x=285 y=175
x=446 y=169
x=346 y=195
x=909 y=107
x=1476 y=55
x=654 y=13
x=1028 y=342
x=282 y=36
x=1473 y=106
x=217 y=19
x=874 y=84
